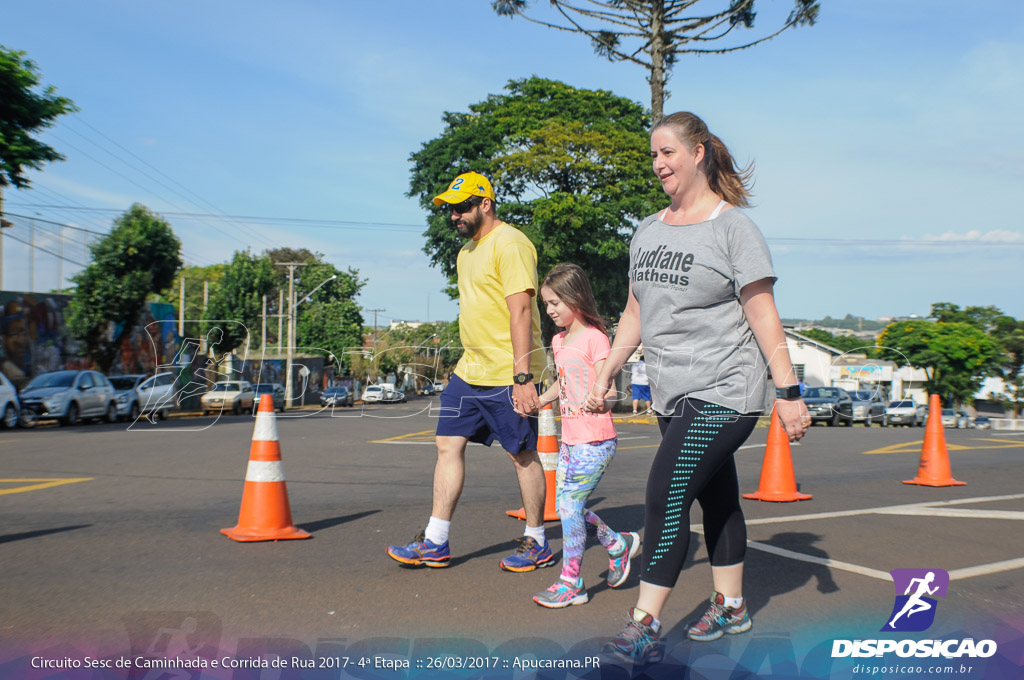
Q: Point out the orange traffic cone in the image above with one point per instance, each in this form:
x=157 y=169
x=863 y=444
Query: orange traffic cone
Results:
x=547 y=449
x=933 y=468
x=265 y=514
x=777 y=480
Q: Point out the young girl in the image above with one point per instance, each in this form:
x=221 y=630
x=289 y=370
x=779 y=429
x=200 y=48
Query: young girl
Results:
x=588 y=439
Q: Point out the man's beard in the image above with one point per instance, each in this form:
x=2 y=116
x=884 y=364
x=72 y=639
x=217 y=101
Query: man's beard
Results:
x=467 y=227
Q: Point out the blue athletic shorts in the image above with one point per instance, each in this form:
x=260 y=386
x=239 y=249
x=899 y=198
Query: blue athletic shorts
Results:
x=642 y=392
x=483 y=415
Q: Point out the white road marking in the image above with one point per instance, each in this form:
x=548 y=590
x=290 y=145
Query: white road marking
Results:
x=930 y=509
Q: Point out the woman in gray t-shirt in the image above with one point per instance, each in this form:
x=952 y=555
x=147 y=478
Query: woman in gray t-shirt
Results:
x=700 y=299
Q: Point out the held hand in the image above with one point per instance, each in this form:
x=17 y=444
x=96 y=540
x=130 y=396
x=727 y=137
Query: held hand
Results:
x=595 y=402
x=794 y=417
x=525 y=399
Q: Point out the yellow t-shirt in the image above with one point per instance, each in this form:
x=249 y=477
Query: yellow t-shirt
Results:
x=500 y=264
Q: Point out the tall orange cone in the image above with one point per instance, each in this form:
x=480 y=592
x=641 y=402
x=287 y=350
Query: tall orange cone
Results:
x=933 y=468
x=547 y=449
x=265 y=514
x=778 y=483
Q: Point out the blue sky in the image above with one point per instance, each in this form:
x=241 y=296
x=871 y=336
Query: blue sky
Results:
x=887 y=141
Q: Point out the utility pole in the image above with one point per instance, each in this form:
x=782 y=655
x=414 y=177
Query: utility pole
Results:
x=181 y=309
x=280 y=318
x=4 y=224
x=263 y=343
x=291 y=328
x=375 y=333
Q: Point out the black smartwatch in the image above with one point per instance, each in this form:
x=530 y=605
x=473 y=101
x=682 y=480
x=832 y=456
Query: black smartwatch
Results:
x=522 y=378
x=788 y=392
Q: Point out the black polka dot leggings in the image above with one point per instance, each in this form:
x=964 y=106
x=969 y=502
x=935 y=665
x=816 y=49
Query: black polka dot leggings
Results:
x=695 y=462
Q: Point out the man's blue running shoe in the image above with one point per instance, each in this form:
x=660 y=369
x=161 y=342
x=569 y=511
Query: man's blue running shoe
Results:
x=421 y=551
x=528 y=555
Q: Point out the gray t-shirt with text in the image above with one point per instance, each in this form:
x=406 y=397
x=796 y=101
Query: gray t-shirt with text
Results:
x=696 y=339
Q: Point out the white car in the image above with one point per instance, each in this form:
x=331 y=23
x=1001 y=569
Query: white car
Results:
x=438 y=387
x=234 y=396
x=139 y=394
x=382 y=393
x=10 y=407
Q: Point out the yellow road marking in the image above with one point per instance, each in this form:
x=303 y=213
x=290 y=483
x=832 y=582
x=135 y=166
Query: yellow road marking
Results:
x=907 y=447
x=44 y=483
x=644 y=446
x=401 y=437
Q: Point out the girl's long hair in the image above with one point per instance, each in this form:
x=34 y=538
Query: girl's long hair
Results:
x=724 y=177
x=569 y=282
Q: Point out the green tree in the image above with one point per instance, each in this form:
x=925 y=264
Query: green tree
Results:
x=1009 y=332
x=194 y=279
x=139 y=256
x=955 y=356
x=23 y=113
x=570 y=167
x=236 y=304
x=653 y=33
x=979 y=317
x=330 y=318
x=844 y=343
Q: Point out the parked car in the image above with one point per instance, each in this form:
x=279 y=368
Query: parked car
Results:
x=70 y=396
x=438 y=387
x=869 y=408
x=830 y=405
x=10 y=407
x=336 y=396
x=138 y=394
x=982 y=422
x=906 y=412
x=954 y=418
x=276 y=392
x=382 y=393
x=427 y=389
x=235 y=396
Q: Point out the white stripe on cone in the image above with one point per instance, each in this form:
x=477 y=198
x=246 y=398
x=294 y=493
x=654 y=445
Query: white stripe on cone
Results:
x=266 y=427
x=546 y=423
x=264 y=471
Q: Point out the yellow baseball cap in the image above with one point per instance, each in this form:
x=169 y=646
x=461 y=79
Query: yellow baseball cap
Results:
x=465 y=185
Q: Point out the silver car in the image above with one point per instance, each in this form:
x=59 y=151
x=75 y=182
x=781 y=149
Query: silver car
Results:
x=10 y=407
x=138 y=394
x=70 y=396
x=869 y=408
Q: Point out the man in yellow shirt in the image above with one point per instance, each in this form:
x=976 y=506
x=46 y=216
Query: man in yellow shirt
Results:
x=499 y=324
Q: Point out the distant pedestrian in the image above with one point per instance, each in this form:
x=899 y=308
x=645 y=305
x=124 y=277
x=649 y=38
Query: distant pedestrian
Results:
x=701 y=301
x=499 y=324
x=588 y=439
x=640 y=386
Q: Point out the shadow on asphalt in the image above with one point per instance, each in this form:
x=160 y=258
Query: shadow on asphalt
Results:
x=10 y=538
x=766 y=576
x=322 y=524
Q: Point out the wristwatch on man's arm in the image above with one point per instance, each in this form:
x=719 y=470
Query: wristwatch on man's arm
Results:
x=787 y=392
x=522 y=378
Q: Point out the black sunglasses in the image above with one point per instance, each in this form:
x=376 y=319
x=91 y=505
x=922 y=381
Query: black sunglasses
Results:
x=465 y=206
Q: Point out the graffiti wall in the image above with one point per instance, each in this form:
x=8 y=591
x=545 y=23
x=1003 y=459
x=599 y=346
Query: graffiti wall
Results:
x=34 y=338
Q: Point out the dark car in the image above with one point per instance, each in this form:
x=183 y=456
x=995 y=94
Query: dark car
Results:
x=336 y=396
x=830 y=405
x=868 y=407
x=276 y=392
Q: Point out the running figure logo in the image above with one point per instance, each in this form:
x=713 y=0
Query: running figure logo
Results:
x=914 y=610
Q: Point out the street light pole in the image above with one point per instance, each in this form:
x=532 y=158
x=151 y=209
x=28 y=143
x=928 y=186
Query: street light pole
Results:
x=292 y=304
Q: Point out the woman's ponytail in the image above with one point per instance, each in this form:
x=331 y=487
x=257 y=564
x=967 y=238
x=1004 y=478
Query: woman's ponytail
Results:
x=724 y=177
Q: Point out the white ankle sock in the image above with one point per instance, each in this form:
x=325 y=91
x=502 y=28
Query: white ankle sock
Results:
x=733 y=602
x=437 y=530
x=537 y=534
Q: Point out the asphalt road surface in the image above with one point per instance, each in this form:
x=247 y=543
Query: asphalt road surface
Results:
x=110 y=545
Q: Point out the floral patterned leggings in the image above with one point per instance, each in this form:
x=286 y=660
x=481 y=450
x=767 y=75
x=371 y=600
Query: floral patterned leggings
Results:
x=580 y=468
